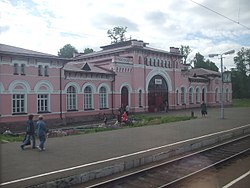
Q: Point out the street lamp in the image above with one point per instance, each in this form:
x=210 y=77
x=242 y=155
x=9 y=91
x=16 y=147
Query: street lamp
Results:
x=221 y=64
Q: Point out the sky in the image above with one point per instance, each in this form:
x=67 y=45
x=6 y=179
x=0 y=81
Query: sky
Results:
x=47 y=25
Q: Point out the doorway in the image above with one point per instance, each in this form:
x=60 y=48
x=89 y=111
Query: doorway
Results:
x=157 y=94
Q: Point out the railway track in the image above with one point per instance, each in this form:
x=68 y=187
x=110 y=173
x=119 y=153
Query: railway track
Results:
x=171 y=172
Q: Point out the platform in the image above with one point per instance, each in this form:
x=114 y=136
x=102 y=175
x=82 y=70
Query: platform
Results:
x=77 y=158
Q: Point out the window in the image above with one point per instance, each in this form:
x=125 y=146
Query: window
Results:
x=71 y=98
x=217 y=95
x=177 y=97
x=15 y=68
x=162 y=63
x=46 y=71
x=165 y=64
x=182 y=95
x=18 y=103
x=42 y=103
x=22 y=69
x=191 y=100
x=40 y=67
x=227 y=95
x=140 y=98
x=197 y=96
x=145 y=60
x=139 y=60
x=87 y=98
x=204 y=95
x=103 y=98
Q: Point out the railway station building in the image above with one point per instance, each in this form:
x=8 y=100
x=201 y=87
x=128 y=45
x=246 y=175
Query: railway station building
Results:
x=83 y=87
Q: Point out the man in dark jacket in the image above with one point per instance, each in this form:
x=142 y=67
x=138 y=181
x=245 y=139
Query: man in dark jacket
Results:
x=30 y=133
x=203 y=109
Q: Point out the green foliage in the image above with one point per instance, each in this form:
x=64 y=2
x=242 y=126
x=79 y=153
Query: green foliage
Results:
x=67 y=51
x=185 y=51
x=240 y=76
x=10 y=138
x=241 y=102
x=117 y=34
x=156 y=120
x=200 y=62
x=88 y=50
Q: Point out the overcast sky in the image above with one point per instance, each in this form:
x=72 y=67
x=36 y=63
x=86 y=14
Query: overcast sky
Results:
x=47 y=25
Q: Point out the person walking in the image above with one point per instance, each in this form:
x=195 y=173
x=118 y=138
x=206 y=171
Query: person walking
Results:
x=105 y=119
x=41 y=132
x=203 y=109
x=30 y=133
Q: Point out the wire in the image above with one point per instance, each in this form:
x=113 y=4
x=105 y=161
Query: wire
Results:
x=221 y=15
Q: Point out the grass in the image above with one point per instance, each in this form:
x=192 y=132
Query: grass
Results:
x=156 y=120
x=10 y=138
x=241 y=102
x=142 y=120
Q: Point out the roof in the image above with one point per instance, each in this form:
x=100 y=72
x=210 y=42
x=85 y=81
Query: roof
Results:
x=122 y=46
x=83 y=66
x=204 y=72
x=12 y=50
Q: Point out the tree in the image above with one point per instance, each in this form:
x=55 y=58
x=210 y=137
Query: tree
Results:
x=88 y=50
x=185 y=51
x=117 y=34
x=200 y=62
x=67 y=51
x=240 y=78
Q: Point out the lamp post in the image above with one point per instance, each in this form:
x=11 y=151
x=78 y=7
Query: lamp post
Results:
x=222 y=92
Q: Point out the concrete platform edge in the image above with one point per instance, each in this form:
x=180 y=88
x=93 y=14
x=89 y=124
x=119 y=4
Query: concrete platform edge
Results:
x=137 y=161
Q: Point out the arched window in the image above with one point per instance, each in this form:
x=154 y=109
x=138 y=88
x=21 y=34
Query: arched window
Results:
x=162 y=63
x=145 y=61
x=150 y=61
x=19 y=99
x=217 y=95
x=140 y=98
x=166 y=64
x=197 y=96
x=203 y=95
x=71 y=98
x=42 y=102
x=103 y=97
x=191 y=94
x=88 y=98
x=139 y=60
x=177 y=97
x=183 y=95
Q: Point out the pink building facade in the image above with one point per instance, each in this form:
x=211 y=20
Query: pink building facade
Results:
x=80 y=89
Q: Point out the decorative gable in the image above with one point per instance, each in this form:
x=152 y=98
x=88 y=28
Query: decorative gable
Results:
x=86 y=67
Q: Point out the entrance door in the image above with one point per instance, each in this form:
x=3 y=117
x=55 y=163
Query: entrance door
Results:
x=124 y=97
x=157 y=94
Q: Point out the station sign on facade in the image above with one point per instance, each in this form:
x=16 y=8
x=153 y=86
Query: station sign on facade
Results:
x=158 y=81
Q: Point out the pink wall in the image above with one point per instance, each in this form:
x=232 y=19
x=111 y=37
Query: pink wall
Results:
x=132 y=74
